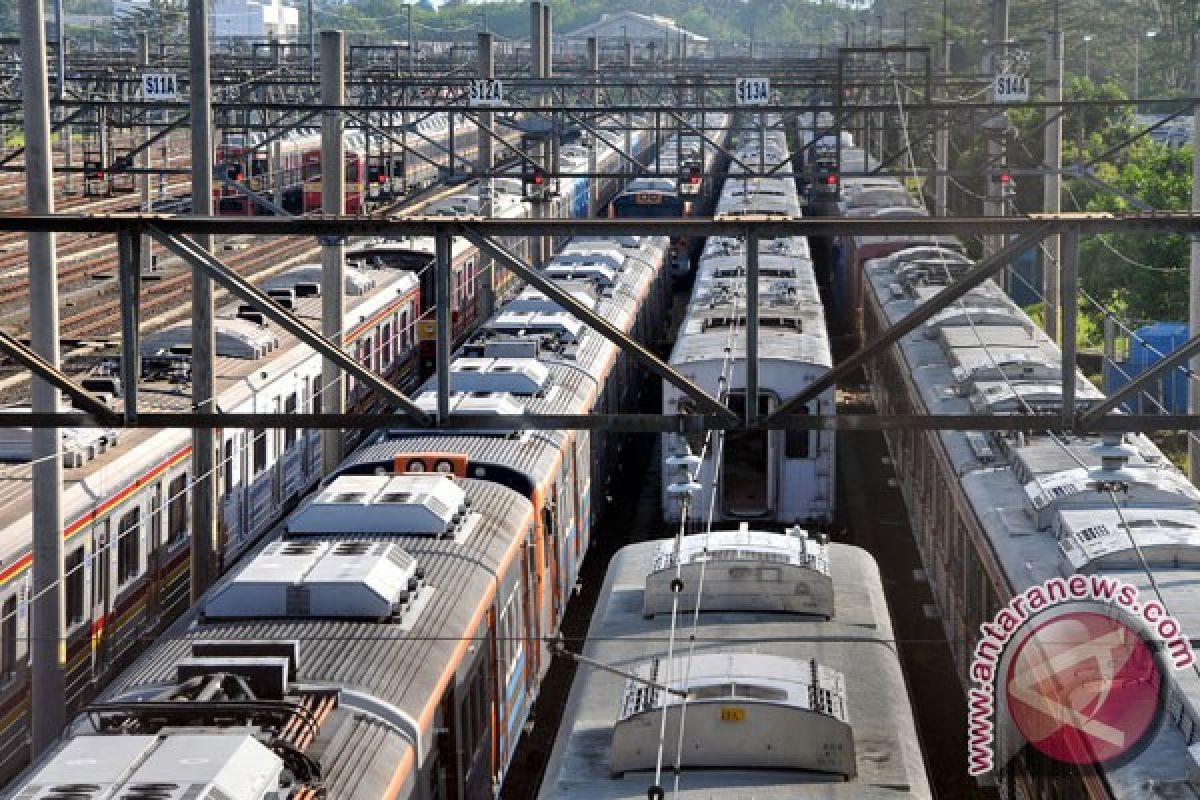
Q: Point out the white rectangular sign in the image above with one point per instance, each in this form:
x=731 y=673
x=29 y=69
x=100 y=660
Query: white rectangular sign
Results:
x=753 y=91
x=159 y=86
x=486 y=92
x=1009 y=87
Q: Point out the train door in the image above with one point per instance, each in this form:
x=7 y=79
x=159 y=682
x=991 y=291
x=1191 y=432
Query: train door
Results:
x=746 y=465
x=101 y=591
x=276 y=436
x=550 y=520
x=241 y=455
x=155 y=547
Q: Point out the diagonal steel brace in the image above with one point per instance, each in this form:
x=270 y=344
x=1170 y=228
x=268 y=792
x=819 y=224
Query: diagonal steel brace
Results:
x=200 y=259
x=599 y=324
x=82 y=399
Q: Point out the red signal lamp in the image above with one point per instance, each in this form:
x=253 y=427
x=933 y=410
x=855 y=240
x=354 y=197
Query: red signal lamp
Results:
x=831 y=180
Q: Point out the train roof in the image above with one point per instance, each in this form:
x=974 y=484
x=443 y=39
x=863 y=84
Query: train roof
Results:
x=390 y=668
x=539 y=338
x=813 y=676
x=97 y=461
x=791 y=315
x=1033 y=494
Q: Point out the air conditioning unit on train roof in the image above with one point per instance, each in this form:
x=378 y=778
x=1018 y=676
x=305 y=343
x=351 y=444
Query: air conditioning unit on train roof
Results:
x=406 y=505
x=559 y=323
x=745 y=570
x=531 y=299
x=745 y=711
x=517 y=376
x=231 y=766
x=314 y=578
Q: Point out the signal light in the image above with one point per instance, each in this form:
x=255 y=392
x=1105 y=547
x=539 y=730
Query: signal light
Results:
x=538 y=178
x=831 y=180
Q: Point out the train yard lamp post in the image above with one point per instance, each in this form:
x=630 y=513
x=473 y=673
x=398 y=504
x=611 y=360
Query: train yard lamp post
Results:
x=1087 y=64
x=1137 y=65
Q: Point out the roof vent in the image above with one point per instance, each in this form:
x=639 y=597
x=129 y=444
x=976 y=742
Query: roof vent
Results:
x=177 y=766
x=327 y=579
x=401 y=505
x=517 y=376
x=236 y=337
x=560 y=323
x=771 y=693
x=744 y=570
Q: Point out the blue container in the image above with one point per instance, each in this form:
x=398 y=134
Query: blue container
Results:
x=1146 y=349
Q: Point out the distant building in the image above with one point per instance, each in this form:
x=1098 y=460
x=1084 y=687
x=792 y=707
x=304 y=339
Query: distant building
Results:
x=238 y=19
x=646 y=32
x=254 y=19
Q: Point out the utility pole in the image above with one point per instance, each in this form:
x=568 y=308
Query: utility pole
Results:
x=205 y=539
x=48 y=649
x=487 y=70
x=942 y=148
x=312 y=42
x=551 y=146
x=333 y=251
x=1194 y=287
x=1052 y=181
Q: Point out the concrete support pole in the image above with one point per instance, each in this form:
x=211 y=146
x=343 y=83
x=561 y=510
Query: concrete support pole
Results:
x=60 y=88
x=536 y=52
x=626 y=167
x=48 y=648
x=549 y=146
x=441 y=250
x=277 y=145
x=1194 y=287
x=942 y=152
x=487 y=69
x=147 y=247
x=993 y=206
x=1052 y=179
x=547 y=41
x=333 y=255
x=593 y=68
x=205 y=538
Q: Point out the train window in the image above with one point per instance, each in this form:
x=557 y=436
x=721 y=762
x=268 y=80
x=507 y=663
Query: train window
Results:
x=227 y=465
x=177 y=506
x=259 y=437
x=8 y=637
x=312 y=171
x=290 y=435
x=404 y=332
x=798 y=443
x=73 y=583
x=128 y=547
x=316 y=400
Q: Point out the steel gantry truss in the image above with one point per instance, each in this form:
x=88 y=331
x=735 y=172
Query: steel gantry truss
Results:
x=173 y=233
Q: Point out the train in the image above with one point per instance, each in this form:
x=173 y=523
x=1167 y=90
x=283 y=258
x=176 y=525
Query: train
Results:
x=998 y=512
x=291 y=163
x=133 y=487
x=677 y=186
x=126 y=494
x=391 y=641
x=771 y=477
x=783 y=680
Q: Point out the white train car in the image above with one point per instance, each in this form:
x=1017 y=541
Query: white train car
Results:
x=996 y=513
x=777 y=477
x=783 y=693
